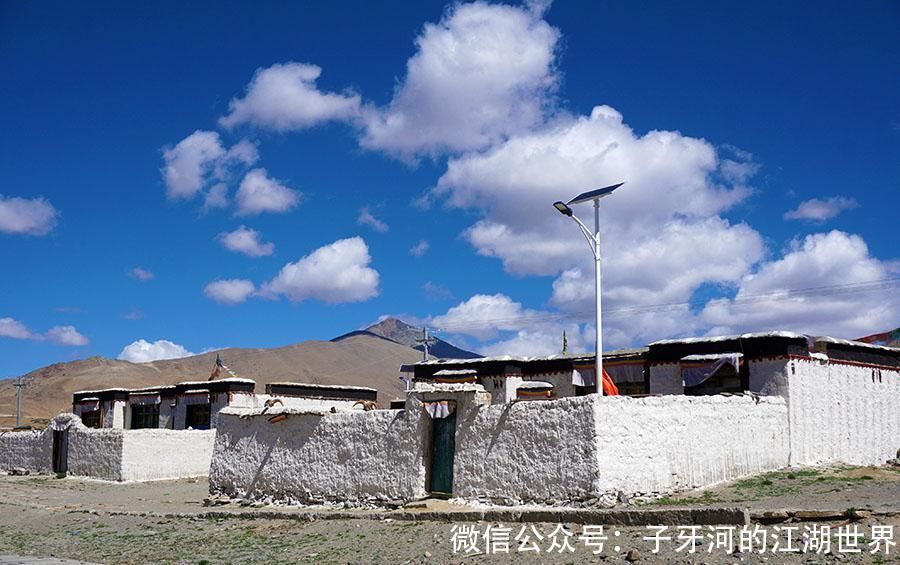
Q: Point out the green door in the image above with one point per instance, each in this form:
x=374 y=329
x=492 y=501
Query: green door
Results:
x=443 y=446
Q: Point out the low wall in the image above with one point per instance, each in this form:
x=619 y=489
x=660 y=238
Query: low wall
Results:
x=154 y=454
x=111 y=454
x=843 y=413
x=352 y=456
x=541 y=452
x=28 y=450
x=95 y=453
x=665 y=443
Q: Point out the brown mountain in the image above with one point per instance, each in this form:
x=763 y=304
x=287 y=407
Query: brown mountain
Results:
x=401 y=332
x=362 y=359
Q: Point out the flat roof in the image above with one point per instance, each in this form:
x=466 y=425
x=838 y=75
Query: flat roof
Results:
x=332 y=387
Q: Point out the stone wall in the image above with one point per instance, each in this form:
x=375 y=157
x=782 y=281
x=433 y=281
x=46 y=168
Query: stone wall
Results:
x=538 y=451
x=665 y=443
x=95 y=453
x=309 y=456
x=28 y=450
x=111 y=454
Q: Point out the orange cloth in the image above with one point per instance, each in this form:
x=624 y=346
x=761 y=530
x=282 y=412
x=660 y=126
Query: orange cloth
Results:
x=609 y=387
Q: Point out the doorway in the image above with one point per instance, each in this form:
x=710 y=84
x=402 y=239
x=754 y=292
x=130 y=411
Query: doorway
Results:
x=60 y=451
x=443 y=447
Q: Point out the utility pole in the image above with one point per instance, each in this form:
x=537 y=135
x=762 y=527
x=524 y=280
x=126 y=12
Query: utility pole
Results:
x=426 y=340
x=20 y=384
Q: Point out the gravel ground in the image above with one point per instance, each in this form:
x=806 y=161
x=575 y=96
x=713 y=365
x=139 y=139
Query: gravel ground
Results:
x=68 y=518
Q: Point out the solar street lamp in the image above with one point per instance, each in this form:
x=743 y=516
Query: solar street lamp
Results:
x=593 y=239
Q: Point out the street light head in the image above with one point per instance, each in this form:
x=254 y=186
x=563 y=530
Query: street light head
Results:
x=563 y=209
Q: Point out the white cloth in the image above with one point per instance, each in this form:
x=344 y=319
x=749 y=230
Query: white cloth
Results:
x=695 y=369
x=440 y=409
x=584 y=377
x=89 y=405
x=195 y=397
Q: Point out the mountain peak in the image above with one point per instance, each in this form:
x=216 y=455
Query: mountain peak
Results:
x=407 y=334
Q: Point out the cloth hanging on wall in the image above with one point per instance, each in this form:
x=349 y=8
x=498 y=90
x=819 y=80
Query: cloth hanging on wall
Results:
x=456 y=376
x=89 y=404
x=695 y=369
x=440 y=408
x=144 y=399
x=198 y=396
x=584 y=377
x=625 y=371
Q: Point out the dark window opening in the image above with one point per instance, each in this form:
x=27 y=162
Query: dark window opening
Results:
x=91 y=419
x=197 y=416
x=144 y=416
x=726 y=379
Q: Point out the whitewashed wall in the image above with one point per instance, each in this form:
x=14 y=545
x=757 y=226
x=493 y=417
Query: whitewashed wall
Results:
x=664 y=443
x=29 y=450
x=316 y=457
x=154 y=454
x=537 y=451
x=95 y=453
x=840 y=413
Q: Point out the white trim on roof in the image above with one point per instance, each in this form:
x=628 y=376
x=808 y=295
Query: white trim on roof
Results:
x=334 y=387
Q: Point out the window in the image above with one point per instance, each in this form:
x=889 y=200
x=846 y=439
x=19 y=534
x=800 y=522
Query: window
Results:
x=91 y=418
x=725 y=379
x=197 y=416
x=144 y=416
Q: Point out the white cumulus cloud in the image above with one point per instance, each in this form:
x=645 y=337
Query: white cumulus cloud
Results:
x=260 y=193
x=335 y=273
x=285 y=97
x=663 y=232
x=504 y=327
x=229 y=291
x=61 y=335
x=200 y=158
x=66 y=335
x=247 y=241
x=483 y=72
x=819 y=210
x=142 y=351
x=820 y=286
x=15 y=329
x=26 y=216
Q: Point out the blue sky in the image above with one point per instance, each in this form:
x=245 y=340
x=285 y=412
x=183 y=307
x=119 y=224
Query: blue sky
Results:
x=760 y=144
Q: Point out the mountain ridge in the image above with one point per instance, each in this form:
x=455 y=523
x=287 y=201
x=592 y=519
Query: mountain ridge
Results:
x=362 y=358
x=400 y=332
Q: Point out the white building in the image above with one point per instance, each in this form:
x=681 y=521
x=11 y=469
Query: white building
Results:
x=700 y=411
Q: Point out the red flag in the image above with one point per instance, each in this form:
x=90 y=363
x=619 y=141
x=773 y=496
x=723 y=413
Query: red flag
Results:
x=609 y=387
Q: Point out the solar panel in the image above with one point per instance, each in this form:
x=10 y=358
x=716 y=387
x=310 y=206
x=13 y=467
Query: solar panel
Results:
x=596 y=193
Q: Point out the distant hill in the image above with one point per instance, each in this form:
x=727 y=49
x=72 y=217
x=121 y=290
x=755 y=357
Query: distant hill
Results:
x=406 y=334
x=365 y=359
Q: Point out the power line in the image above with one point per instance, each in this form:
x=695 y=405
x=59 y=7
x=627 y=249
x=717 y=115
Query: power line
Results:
x=580 y=316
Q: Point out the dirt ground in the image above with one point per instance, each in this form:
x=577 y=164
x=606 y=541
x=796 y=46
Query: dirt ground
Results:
x=69 y=518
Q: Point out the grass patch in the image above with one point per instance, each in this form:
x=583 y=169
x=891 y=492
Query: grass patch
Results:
x=707 y=497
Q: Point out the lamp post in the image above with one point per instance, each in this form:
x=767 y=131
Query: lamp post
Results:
x=593 y=239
